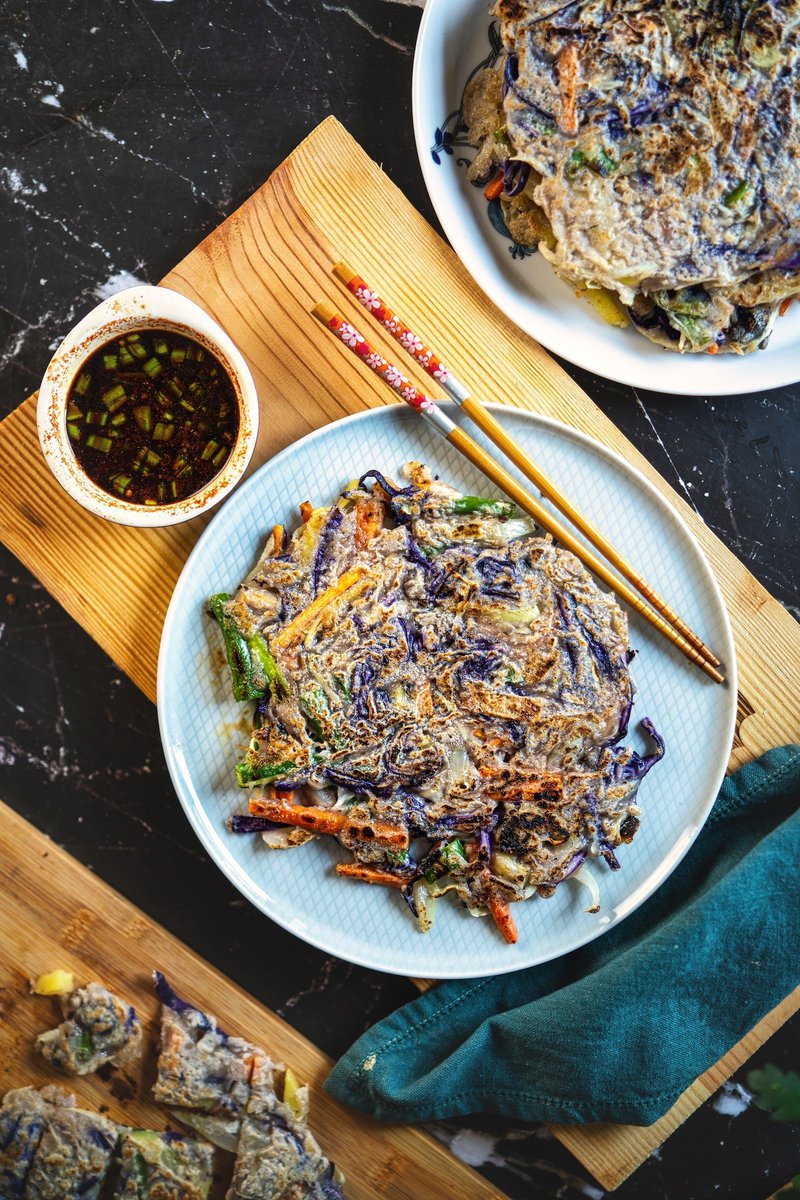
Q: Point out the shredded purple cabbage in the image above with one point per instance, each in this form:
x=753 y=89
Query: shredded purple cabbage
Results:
x=361 y=686
x=415 y=554
x=356 y=783
x=245 y=823
x=515 y=176
x=389 y=488
x=574 y=864
x=602 y=841
x=499 y=576
x=638 y=765
x=412 y=635
x=334 y=520
x=170 y=999
x=510 y=72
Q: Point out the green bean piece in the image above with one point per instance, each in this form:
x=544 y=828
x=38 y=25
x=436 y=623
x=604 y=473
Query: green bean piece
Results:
x=261 y=657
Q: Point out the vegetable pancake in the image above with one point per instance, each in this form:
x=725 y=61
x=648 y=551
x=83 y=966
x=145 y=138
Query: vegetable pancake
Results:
x=442 y=690
x=649 y=149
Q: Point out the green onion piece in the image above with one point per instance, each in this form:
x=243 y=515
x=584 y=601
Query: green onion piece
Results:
x=138 y=462
x=478 y=504
x=260 y=655
x=96 y=442
x=184 y=471
x=175 y=386
x=177 y=354
x=85 y=1046
x=246 y=775
x=74 y=432
x=236 y=651
x=195 y=353
x=143 y=416
x=220 y=456
x=173 y=489
x=137 y=349
x=162 y=432
x=603 y=164
x=162 y=491
x=125 y=356
x=150 y=503
x=96 y=418
x=160 y=346
x=115 y=397
x=187 y=404
x=110 y=362
x=119 y=418
x=736 y=194
x=196 y=388
x=82 y=384
x=209 y=450
x=152 y=459
x=452 y=855
x=163 y=398
x=120 y=483
x=74 y=413
x=131 y=337
x=153 y=367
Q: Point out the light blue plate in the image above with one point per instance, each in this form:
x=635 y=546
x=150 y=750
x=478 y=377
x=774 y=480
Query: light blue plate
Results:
x=203 y=730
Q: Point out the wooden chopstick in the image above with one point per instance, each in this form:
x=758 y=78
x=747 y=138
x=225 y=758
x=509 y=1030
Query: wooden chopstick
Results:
x=430 y=362
x=355 y=341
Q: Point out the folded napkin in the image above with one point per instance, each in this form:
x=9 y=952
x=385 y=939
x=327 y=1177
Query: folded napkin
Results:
x=616 y=1030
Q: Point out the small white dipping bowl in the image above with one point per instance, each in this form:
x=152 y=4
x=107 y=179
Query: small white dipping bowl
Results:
x=134 y=309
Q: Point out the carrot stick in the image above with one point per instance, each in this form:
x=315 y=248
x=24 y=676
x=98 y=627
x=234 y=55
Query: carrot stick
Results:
x=306 y=509
x=495 y=188
x=369 y=517
x=784 y=306
x=395 y=837
x=317 y=820
x=371 y=875
x=713 y=349
x=294 y=631
x=501 y=915
x=277 y=540
x=568 y=83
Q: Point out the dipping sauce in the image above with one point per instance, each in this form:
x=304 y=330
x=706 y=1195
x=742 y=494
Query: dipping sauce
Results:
x=152 y=417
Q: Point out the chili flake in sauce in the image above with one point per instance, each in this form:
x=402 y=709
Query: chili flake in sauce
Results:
x=152 y=417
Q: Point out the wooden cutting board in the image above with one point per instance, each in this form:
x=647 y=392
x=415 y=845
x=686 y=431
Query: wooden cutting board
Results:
x=258 y=275
x=57 y=914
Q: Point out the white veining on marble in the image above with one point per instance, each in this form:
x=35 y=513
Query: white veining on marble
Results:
x=19 y=55
x=116 y=282
x=685 y=486
x=732 y=1099
x=358 y=20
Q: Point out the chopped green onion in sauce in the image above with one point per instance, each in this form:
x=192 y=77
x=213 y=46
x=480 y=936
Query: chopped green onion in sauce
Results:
x=152 y=417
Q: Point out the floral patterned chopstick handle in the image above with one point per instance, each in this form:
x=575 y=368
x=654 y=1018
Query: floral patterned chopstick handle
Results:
x=400 y=331
x=388 y=372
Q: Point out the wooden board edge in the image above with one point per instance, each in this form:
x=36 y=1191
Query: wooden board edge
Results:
x=613 y=1152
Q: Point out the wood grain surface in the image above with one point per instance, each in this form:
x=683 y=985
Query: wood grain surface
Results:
x=259 y=274
x=57 y=914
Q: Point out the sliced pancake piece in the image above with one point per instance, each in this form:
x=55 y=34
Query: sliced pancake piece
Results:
x=164 y=1166
x=278 y=1155
x=199 y=1065
x=99 y=1028
x=74 y=1153
x=22 y=1121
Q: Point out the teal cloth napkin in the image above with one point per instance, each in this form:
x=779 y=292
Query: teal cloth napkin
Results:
x=616 y=1030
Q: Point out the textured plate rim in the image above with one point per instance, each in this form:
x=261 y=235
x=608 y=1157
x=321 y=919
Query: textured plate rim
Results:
x=637 y=371
x=241 y=879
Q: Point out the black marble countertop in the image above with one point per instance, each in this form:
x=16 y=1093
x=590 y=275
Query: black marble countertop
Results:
x=129 y=130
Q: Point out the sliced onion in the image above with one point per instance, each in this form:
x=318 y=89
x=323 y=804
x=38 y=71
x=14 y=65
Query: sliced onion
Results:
x=587 y=879
x=425 y=904
x=221 y=1131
